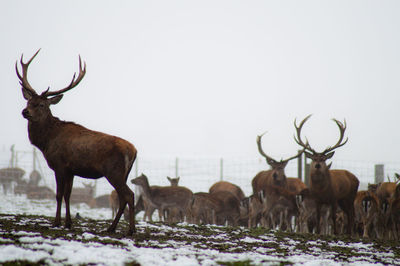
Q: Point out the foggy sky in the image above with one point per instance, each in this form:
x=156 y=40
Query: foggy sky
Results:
x=204 y=78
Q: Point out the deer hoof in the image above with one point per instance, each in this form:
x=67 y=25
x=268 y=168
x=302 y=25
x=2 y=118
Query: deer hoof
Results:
x=131 y=232
x=111 y=229
x=56 y=224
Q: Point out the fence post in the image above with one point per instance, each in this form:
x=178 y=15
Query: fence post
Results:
x=137 y=167
x=221 y=169
x=299 y=166
x=379 y=173
x=176 y=167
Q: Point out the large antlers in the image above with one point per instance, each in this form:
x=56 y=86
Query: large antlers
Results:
x=74 y=82
x=24 y=78
x=342 y=128
x=268 y=158
x=297 y=137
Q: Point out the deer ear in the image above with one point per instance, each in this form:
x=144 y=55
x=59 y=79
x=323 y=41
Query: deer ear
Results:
x=329 y=155
x=27 y=94
x=168 y=178
x=329 y=165
x=55 y=99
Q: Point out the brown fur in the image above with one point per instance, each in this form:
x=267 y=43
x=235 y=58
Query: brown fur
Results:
x=295 y=184
x=254 y=211
x=163 y=198
x=335 y=187
x=394 y=217
x=227 y=208
x=73 y=150
x=332 y=187
x=148 y=208
x=385 y=190
x=203 y=209
x=227 y=186
x=367 y=214
x=280 y=207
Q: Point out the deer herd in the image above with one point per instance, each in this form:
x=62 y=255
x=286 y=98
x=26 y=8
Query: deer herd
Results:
x=330 y=204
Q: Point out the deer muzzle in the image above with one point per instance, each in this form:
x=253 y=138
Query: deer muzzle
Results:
x=25 y=113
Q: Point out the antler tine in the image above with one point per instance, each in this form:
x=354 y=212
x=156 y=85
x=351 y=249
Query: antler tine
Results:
x=297 y=137
x=342 y=128
x=24 y=78
x=297 y=155
x=74 y=82
x=260 y=149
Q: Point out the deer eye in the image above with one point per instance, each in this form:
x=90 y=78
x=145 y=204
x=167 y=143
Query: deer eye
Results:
x=41 y=105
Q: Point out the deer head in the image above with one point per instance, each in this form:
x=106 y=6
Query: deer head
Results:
x=38 y=106
x=174 y=181
x=318 y=164
x=278 y=167
x=141 y=181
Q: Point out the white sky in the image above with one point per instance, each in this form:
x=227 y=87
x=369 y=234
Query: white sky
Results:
x=203 y=78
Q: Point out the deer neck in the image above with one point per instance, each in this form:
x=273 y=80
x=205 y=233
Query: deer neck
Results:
x=145 y=191
x=40 y=133
x=320 y=181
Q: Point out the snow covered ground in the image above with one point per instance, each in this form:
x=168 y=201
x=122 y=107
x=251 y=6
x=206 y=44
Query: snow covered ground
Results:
x=161 y=244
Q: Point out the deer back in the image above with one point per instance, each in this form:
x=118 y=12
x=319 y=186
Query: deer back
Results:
x=386 y=190
x=171 y=196
x=227 y=186
x=295 y=184
x=203 y=208
x=227 y=207
x=260 y=181
x=366 y=205
x=344 y=184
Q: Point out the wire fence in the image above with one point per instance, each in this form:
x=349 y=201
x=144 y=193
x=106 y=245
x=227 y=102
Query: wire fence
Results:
x=196 y=173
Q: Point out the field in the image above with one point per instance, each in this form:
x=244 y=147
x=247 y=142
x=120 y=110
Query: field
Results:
x=26 y=236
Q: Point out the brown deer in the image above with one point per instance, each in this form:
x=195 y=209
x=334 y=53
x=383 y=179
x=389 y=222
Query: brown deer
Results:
x=275 y=176
x=203 y=209
x=164 y=198
x=148 y=208
x=73 y=150
x=227 y=186
x=255 y=206
x=236 y=191
x=228 y=208
x=367 y=214
x=295 y=184
x=174 y=181
x=331 y=187
x=385 y=191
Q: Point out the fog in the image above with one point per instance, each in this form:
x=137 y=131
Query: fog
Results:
x=204 y=78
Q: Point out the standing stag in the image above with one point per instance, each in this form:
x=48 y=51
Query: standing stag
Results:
x=330 y=187
x=71 y=149
x=275 y=176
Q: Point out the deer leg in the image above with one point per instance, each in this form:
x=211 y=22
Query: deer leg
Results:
x=59 y=197
x=125 y=195
x=67 y=194
x=333 y=215
x=318 y=225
